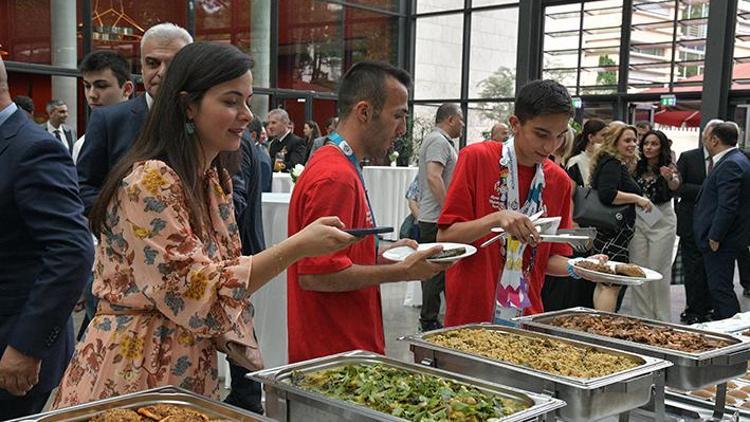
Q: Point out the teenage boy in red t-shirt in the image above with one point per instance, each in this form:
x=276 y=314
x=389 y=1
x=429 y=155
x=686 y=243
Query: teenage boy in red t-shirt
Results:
x=491 y=188
x=334 y=301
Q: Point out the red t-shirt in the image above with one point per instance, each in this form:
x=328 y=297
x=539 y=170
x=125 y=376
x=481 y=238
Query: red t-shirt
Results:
x=470 y=284
x=322 y=323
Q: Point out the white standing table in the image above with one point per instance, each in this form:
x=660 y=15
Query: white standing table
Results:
x=386 y=188
x=281 y=183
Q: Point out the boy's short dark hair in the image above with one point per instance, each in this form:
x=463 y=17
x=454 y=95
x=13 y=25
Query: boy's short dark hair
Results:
x=26 y=103
x=365 y=81
x=102 y=60
x=727 y=133
x=255 y=126
x=542 y=97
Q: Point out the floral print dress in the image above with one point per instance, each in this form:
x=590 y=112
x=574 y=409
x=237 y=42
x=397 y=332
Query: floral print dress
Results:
x=164 y=293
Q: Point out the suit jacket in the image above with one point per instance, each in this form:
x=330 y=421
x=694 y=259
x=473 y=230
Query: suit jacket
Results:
x=295 y=147
x=250 y=215
x=692 y=168
x=46 y=252
x=266 y=167
x=70 y=135
x=109 y=135
x=721 y=211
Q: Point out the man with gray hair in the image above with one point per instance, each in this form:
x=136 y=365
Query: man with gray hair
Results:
x=57 y=111
x=112 y=130
x=286 y=149
x=437 y=160
x=693 y=167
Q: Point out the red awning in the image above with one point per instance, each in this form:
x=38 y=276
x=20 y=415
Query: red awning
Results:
x=678 y=118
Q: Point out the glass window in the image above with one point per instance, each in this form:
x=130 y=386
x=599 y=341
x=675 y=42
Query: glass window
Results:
x=741 y=70
x=389 y=5
x=479 y=3
x=26 y=32
x=437 y=70
x=422 y=122
x=668 y=45
x=582 y=45
x=492 y=69
x=426 y=6
x=224 y=22
x=319 y=41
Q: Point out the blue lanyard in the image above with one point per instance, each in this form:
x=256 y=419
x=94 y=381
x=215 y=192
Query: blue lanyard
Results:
x=344 y=147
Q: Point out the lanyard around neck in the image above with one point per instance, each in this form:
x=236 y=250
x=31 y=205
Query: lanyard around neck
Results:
x=343 y=146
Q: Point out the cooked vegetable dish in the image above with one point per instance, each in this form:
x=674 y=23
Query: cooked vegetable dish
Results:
x=639 y=332
x=156 y=412
x=449 y=253
x=409 y=395
x=543 y=354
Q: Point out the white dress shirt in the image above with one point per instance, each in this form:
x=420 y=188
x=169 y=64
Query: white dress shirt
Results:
x=51 y=129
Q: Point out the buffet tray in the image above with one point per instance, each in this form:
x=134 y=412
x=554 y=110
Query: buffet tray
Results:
x=587 y=398
x=287 y=402
x=163 y=395
x=690 y=370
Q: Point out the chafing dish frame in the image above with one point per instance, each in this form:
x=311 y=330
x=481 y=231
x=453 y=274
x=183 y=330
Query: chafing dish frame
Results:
x=587 y=398
x=690 y=371
x=168 y=394
x=285 y=401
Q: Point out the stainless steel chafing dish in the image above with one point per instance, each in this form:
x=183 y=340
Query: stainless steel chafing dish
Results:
x=690 y=371
x=587 y=398
x=286 y=402
x=163 y=395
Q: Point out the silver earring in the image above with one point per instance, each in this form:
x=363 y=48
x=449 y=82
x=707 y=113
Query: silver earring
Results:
x=190 y=127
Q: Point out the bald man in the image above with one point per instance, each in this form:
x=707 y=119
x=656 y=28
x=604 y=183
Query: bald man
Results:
x=499 y=133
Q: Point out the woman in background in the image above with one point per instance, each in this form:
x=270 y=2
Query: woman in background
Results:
x=311 y=132
x=652 y=244
x=579 y=164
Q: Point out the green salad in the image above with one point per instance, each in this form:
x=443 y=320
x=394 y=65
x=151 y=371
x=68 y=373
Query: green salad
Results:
x=407 y=395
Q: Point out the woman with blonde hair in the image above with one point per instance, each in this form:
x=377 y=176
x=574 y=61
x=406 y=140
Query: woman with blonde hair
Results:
x=611 y=169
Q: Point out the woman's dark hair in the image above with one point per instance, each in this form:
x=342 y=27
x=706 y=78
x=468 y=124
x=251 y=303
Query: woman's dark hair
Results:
x=315 y=131
x=542 y=97
x=194 y=70
x=591 y=127
x=665 y=153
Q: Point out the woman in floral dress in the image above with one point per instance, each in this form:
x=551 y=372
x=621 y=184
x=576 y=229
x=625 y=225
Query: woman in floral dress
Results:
x=169 y=273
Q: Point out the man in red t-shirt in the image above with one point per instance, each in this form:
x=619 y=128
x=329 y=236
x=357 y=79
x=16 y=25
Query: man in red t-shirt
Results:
x=472 y=207
x=334 y=300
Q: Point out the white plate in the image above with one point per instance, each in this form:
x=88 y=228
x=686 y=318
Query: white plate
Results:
x=400 y=253
x=598 y=277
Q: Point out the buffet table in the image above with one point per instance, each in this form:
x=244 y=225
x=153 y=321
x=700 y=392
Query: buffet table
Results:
x=281 y=183
x=270 y=300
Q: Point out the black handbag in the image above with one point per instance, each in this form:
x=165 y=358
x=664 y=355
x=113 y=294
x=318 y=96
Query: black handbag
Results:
x=588 y=211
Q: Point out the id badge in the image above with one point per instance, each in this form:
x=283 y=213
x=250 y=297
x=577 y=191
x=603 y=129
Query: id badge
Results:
x=504 y=316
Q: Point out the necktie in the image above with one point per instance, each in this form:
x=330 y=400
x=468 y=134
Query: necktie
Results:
x=710 y=165
x=57 y=135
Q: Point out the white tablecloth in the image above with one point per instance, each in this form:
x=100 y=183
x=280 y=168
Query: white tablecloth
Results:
x=281 y=183
x=270 y=300
x=386 y=187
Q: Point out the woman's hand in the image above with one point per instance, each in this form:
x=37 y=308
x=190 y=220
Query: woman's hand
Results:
x=666 y=172
x=644 y=204
x=322 y=237
x=518 y=225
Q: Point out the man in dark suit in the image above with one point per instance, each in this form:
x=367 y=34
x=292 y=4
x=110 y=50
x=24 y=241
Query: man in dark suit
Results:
x=46 y=254
x=721 y=224
x=692 y=167
x=247 y=205
x=57 y=111
x=285 y=145
x=112 y=130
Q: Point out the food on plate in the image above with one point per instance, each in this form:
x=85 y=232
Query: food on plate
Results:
x=116 y=415
x=703 y=394
x=408 y=395
x=637 y=331
x=745 y=333
x=161 y=412
x=597 y=265
x=630 y=270
x=449 y=253
x=745 y=405
x=539 y=353
x=738 y=394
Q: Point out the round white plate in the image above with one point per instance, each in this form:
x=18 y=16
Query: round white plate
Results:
x=598 y=277
x=400 y=253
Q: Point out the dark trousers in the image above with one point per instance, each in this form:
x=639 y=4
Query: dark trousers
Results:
x=17 y=407
x=245 y=392
x=432 y=287
x=743 y=263
x=720 y=277
x=697 y=295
